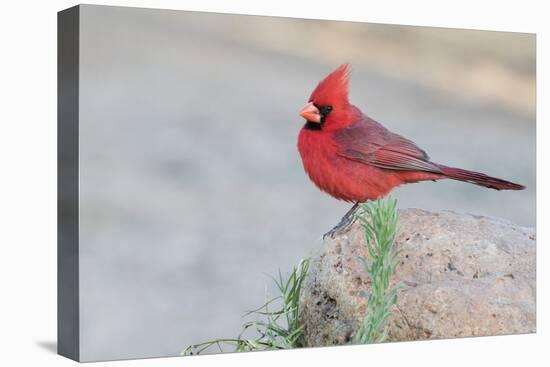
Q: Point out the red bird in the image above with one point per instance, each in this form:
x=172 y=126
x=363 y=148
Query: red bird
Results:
x=352 y=157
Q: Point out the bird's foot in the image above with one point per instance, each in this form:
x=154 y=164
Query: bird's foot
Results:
x=341 y=228
x=345 y=223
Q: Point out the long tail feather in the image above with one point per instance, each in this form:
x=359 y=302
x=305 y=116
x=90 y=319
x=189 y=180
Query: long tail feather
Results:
x=480 y=179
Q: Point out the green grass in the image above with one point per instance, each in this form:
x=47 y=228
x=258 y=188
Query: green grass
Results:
x=277 y=325
x=380 y=226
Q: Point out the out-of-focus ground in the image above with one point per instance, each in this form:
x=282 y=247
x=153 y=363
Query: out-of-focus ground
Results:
x=191 y=184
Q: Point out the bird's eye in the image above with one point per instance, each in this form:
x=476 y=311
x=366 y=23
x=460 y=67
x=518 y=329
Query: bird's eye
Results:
x=329 y=108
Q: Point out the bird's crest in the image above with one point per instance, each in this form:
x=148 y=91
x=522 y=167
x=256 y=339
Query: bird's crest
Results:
x=334 y=88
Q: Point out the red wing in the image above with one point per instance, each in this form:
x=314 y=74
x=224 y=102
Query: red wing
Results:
x=368 y=142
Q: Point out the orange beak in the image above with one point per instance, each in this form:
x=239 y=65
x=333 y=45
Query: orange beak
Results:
x=311 y=113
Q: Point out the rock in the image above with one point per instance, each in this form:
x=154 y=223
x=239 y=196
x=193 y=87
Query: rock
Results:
x=460 y=275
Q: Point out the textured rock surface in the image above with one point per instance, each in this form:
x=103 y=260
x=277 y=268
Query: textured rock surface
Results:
x=461 y=275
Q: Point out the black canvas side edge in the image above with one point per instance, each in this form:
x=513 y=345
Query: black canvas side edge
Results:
x=68 y=340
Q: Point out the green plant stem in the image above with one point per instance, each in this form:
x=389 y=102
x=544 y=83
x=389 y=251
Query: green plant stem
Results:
x=379 y=220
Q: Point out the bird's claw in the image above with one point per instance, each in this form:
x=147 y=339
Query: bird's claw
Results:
x=345 y=223
x=341 y=228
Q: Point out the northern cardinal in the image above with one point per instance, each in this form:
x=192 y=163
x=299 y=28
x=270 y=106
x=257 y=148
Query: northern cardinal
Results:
x=352 y=157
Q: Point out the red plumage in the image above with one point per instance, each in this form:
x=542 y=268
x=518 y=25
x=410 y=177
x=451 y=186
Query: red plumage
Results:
x=354 y=158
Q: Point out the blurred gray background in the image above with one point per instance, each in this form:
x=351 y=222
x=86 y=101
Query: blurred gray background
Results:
x=192 y=188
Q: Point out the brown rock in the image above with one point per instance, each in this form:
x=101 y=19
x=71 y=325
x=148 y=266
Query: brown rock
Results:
x=460 y=275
